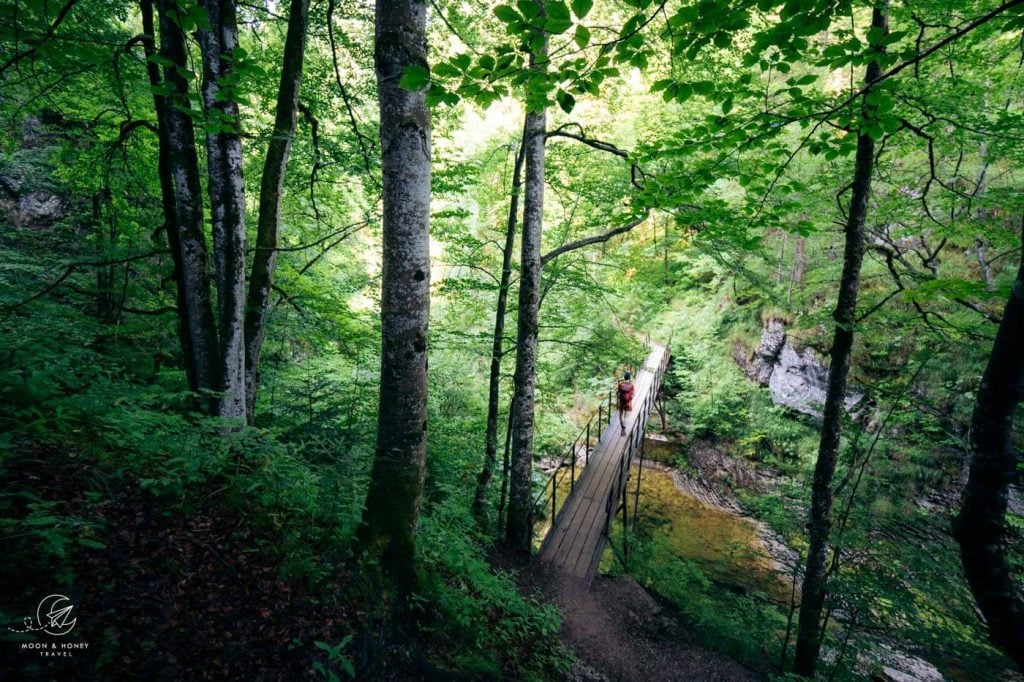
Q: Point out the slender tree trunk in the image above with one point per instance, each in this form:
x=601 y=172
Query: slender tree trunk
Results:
x=519 y=524
x=505 y=465
x=799 y=264
x=271 y=184
x=782 y=258
x=188 y=206
x=799 y=260
x=980 y=527
x=170 y=227
x=227 y=197
x=392 y=505
x=494 y=381
x=105 y=274
x=808 y=642
x=983 y=264
x=979 y=189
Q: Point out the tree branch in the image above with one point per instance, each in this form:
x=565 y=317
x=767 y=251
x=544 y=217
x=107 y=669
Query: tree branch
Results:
x=636 y=174
x=71 y=267
x=17 y=57
x=595 y=239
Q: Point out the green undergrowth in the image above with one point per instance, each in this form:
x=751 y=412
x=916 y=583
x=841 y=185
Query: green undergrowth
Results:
x=297 y=481
x=482 y=625
x=747 y=625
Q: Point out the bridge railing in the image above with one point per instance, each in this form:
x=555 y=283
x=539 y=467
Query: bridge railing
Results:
x=618 y=495
x=549 y=501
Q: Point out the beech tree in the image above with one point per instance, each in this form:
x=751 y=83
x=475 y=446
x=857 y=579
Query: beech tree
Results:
x=222 y=350
x=519 y=527
x=396 y=484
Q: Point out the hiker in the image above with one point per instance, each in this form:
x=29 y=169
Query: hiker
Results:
x=625 y=395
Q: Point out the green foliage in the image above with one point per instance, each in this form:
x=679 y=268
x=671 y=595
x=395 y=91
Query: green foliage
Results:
x=482 y=623
x=744 y=626
x=336 y=659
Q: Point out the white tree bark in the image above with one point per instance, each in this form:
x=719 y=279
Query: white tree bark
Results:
x=226 y=189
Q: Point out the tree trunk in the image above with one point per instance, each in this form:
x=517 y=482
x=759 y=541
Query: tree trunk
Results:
x=183 y=164
x=799 y=260
x=519 y=524
x=808 y=642
x=494 y=381
x=983 y=264
x=782 y=258
x=104 y=274
x=227 y=197
x=980 y=527
x=170 y=227
x=799 y=264
x=396 y=484
x=271 y=184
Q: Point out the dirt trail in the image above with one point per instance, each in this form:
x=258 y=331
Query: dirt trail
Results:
x=621 y=633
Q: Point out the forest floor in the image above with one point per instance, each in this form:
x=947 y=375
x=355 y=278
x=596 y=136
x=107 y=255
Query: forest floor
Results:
x=167 y=595
x=620 y=632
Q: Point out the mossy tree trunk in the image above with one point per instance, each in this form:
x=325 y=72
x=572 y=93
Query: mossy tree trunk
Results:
x=264 y=262
x=396 y=485
x=226 y=189
x=519 y=524
x=183 y=169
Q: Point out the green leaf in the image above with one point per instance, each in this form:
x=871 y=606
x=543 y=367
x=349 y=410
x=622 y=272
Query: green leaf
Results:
x=557 y=10
x=506 y=14
x=91 y=544
x=566 y=101
x=529 y=8
x=414 y=78
x=704 y=88
x=581 y=8
x=582 y=36
x=557 y=26
x=537 y=43
x=445 y=70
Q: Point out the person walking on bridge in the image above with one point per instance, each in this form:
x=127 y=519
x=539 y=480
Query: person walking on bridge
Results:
x=625 y=396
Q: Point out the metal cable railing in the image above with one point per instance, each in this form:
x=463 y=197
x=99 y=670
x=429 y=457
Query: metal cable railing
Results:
x=590 y=437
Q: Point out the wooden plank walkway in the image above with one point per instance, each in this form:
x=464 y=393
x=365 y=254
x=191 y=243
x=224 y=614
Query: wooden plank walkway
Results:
x=575 y=543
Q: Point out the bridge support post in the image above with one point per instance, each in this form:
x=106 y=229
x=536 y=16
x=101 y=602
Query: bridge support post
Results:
x=554 y=495
x=587 y=456
x=639 y=474
x=625 y=515
x=572 y=467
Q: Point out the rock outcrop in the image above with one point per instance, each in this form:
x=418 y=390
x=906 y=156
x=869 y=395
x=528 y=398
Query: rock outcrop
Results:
x=795 y=376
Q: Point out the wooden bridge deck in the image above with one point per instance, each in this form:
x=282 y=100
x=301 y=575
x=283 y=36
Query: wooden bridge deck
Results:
x=575 y=543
